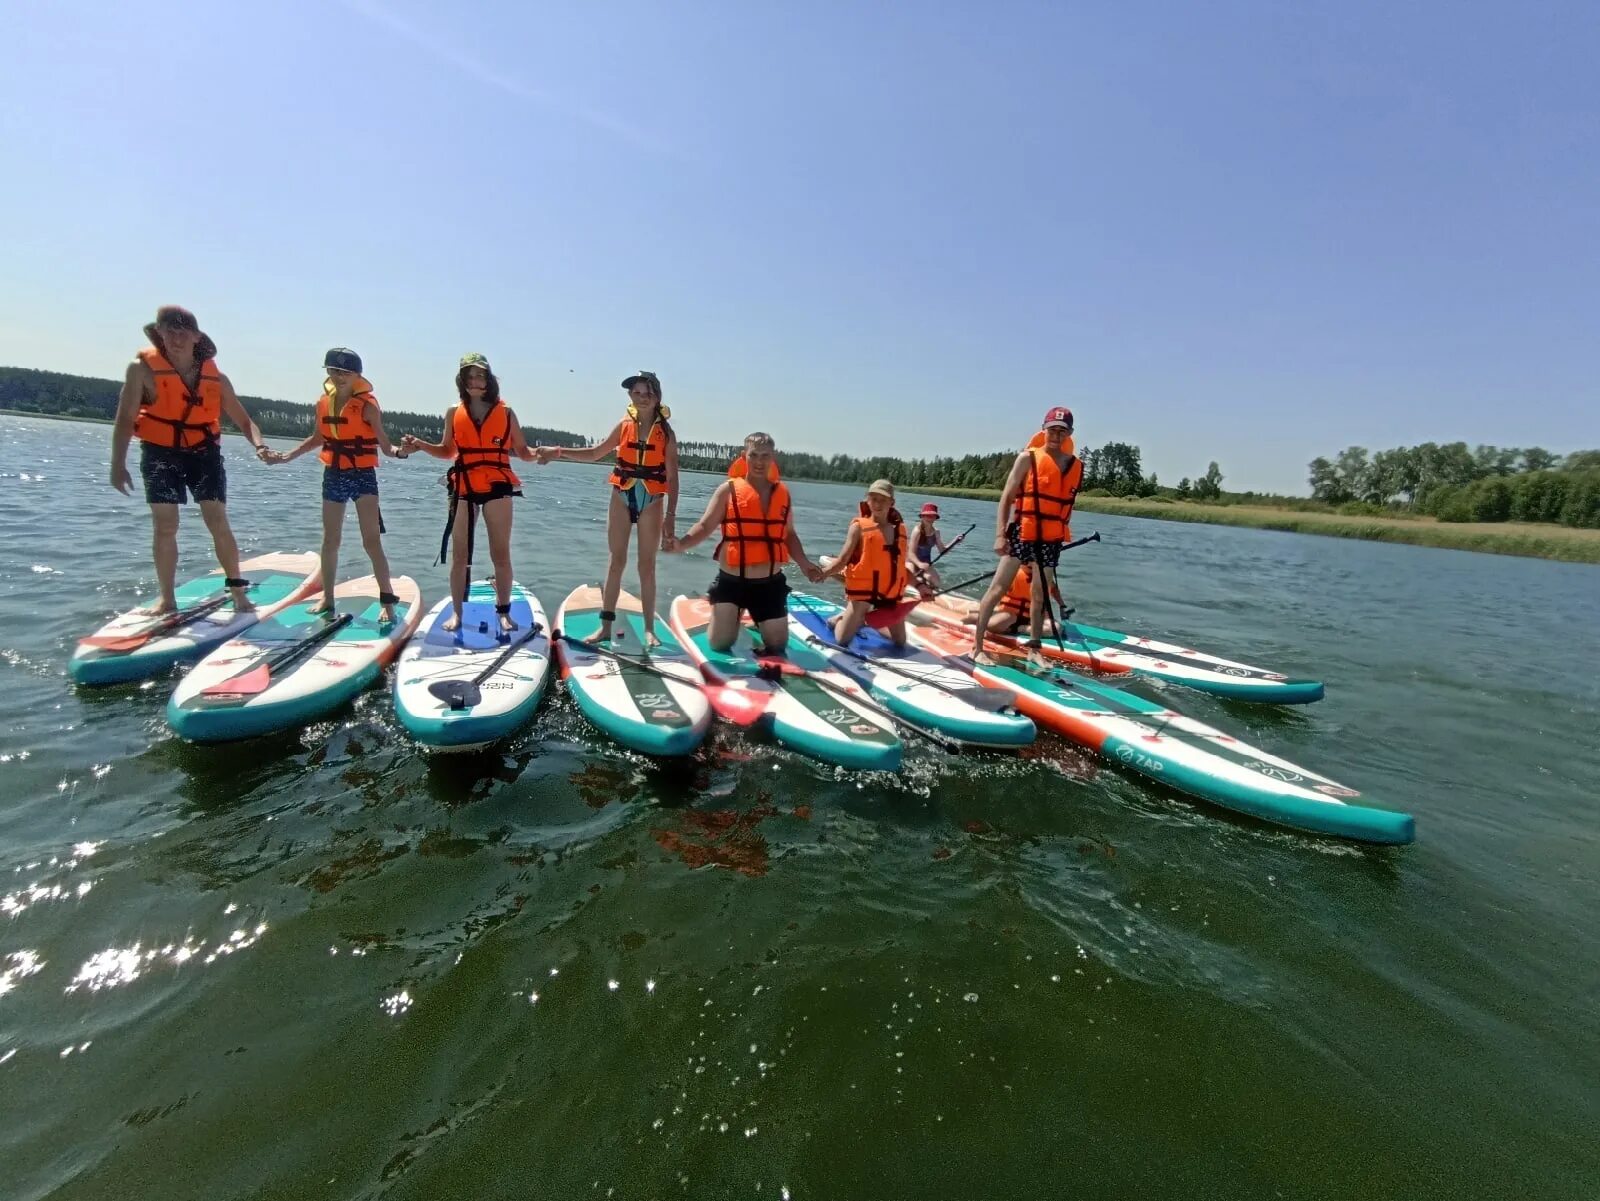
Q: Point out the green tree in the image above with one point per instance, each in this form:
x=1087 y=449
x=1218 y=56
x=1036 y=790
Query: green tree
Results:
x=1209 y=486
x=1581 y=460
x=1326 y=485
x=1353 y=469
x=1537 y=458
x=1184 y=490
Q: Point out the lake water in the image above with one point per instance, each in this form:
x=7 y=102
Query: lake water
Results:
x=324 y=966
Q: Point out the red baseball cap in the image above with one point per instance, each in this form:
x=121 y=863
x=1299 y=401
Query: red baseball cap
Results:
x=1058 y=416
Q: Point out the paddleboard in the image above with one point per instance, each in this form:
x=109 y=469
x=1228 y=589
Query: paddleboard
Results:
x=510 y=671
x=312 y=664
x=136 y=645
x=638 y=705
x=820 y=716
x=1163 y=745
x=1116 y=653
x=913 y=684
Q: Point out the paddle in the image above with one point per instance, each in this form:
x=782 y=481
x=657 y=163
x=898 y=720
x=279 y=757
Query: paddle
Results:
x=1054 y=587
x=880 y=619
x=464 y=694
x=162 y=626
x=737 y=705
x=981 y=697
x=919 y=569
x=950 y=546
x=259 y=677
x=772 y=668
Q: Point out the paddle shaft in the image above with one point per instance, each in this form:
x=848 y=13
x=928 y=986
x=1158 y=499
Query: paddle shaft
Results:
x=950 y=546
x=504 y=656
x=631 y=660
x=888 y=718
x=294 y=652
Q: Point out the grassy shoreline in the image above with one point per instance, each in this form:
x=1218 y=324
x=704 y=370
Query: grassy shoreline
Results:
x=1556 y=542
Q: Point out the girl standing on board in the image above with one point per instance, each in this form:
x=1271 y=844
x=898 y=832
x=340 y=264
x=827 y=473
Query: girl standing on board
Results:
x=349 y=434
x=646 y=471
x=481 y=434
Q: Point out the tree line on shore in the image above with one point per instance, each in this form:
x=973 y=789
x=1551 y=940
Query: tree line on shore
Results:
x=1452 y=483
x=1447 y=481
x=1110 y=470
x=59 y=395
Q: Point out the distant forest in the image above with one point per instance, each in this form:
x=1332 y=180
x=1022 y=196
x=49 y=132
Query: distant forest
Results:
x=1452 y=483
x=1113 y=467
x=1447 y=481
x=30 y=391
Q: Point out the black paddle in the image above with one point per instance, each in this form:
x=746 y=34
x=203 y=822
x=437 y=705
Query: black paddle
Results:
x=737 y=705
x=160 y=627
x=464 y=694
x=259 y=677
x=774 y=667
x=988 y=700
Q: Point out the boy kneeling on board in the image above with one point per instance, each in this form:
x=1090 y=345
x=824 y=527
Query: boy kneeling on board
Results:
x=752 y=510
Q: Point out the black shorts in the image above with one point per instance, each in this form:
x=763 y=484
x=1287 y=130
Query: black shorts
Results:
x=1046 y=553
x=764 y=599
x=171 y=476
x=498 y=489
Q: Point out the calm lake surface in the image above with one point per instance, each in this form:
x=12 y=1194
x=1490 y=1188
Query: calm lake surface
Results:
x=324 y=966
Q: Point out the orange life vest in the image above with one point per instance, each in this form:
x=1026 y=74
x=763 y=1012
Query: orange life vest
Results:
x=751 y=535
x=483 y=452
x=1019 y=597
x=348 y=439
x=1043 y=509
x=646 y=460
x=178 y=417
x=877 y=570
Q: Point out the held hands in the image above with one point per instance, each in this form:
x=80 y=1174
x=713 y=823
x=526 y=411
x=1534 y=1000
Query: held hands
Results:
x=814 y=573
x=544 y=454
x=409 y=443
x=269 y=456
x=121 y=480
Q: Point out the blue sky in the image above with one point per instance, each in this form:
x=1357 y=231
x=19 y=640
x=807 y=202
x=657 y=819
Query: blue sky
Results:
x=1249 y=232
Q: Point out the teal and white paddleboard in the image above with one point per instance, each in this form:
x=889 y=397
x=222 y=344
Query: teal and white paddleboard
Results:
x=1116 y=653
x=1164 y=745
x=916 y=686
x=460 y=690
x=823 y=713
x=137 y=645
x=650 y=699
x=295 y=666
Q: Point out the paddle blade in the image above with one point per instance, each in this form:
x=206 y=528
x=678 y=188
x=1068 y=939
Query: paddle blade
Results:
x=739 y=705
x=882 y=619
x=457 y=694
x=250 y=683
x=127 y=642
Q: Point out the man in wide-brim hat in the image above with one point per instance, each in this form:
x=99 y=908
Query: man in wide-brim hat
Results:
x=173 y=401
